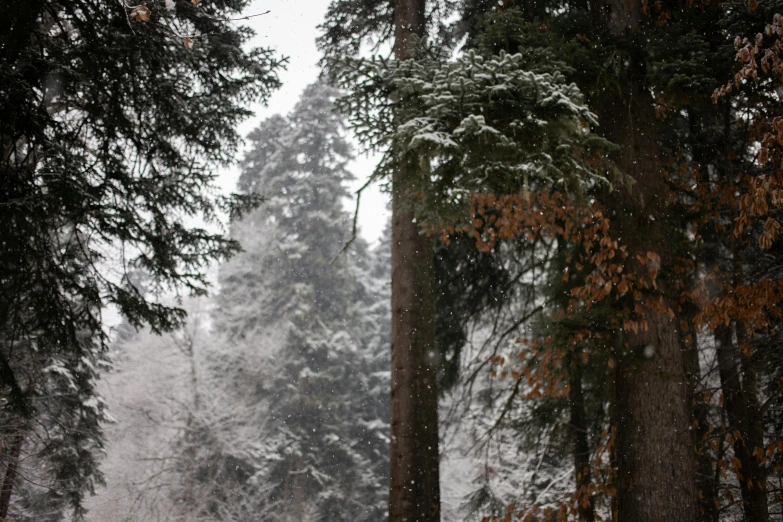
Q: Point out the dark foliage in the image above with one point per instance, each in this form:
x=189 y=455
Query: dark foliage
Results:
x=111 y=132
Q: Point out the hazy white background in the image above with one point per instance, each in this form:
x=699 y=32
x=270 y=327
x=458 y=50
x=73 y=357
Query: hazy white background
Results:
x=290 y=28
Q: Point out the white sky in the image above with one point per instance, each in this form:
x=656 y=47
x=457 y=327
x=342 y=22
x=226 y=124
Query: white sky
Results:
x=291 y=28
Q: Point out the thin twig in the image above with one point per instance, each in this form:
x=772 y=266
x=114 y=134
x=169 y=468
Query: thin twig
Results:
x=354 y=231
x=248 y=17
x=125 y=9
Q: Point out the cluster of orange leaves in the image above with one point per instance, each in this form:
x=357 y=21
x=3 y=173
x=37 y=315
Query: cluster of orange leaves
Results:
x=602 y=261
x=663 y=15
x=603 y=265
x=754 y=56
x=755 y=203
x=716 y=295
x=606 y=270
x=545 y=380
x=754 y=304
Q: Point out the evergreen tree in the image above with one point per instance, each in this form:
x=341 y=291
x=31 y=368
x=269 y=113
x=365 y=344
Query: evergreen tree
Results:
x=618 y=56
x=476 y=125
x=112 y=125
x=681 y=54
x=310 y=322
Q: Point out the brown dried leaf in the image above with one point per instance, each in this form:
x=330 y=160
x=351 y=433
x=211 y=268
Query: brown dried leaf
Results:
x=141 y=13
x=763 y=156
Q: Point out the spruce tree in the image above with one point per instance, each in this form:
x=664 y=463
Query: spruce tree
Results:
x=113 y=122
x=316 y=320
x=681 y=54
x=694 y=175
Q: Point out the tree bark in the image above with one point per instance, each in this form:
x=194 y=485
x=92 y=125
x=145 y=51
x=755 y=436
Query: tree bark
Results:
x=578 y=426
x=706 y=480
x=743 y=414
x=414 y=475
x=754 y=436
x=656 y=473
x=10 y=474
x=656 y=476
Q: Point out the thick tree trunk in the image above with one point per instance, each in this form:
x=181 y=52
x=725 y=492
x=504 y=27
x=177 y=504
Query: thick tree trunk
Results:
x=10 y=474
x=656 y=476
x=742 y=412
x=656 y=472
x=578 y=426
x=415 y=481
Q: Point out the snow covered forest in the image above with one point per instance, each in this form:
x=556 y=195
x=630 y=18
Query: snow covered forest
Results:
x=573 y=313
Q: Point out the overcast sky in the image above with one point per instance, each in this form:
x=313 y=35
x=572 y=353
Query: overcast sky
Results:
x=291 y=28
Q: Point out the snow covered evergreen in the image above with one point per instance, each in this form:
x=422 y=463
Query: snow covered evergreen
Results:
x=278 y=404
x=325 y=384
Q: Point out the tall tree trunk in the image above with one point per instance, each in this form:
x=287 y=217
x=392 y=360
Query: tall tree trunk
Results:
x=743 y=419
x=10 y=473
x=706 y=480
x=578 y=426
x=614 y=420
x=656 y=475
x=754 y=436
x=415 y=480
x=656 y=472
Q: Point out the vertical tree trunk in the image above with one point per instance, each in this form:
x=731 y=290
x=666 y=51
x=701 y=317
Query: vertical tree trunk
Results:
x=414 y=482
x=706 y=482
x=578 y=426
x=756 y=474
x=743 y=419
x=656 y=475
x=754 y=433
x=10 y=474
x=656 y=472
x=192 y=432
x=614 y=420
